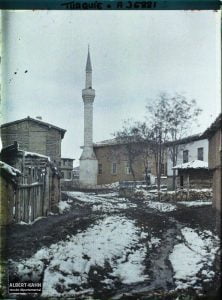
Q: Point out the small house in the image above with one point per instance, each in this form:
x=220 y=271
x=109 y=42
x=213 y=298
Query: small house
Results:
x=66 y=168
x=34 y=135
x=188 y=149
x=193 y=175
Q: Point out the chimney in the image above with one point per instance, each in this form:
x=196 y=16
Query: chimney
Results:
x=39 y=117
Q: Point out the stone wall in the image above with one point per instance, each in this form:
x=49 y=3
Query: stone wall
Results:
x=179 y=195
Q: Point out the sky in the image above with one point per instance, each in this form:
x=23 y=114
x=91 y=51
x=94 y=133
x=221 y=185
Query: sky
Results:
x=135 y=56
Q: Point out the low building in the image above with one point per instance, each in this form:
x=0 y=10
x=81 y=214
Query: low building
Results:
x=34 y=135
x=76 y=173
x=193 y=175
x=114 y=165
x=66 y=168
x=188 y=149
x=214 y=135
x=37 y=191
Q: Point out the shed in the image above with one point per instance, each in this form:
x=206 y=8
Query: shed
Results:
x=38 y=188
x=194 y=174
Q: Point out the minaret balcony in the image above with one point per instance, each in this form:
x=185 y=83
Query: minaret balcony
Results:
x=88 y=93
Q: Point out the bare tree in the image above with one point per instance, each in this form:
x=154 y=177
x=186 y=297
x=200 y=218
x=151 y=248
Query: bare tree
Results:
x=128 y=136
x=157 y=130
x=181 y=114
x=166 y=122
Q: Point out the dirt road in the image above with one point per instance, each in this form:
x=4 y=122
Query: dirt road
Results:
x=103 y=246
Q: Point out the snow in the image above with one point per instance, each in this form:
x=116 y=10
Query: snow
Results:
x=161 y=206
x=154 y=242
x=107 y=142
x=111 y=203
x=130 y=271
x=197 y=252
x=108 y=185
x=12 y=171
x=63 y=206
x=195 y=203
x=195 y=164
x=26 y=153
x=191 y=190
x=104 y=202
x=31 y=223
x=200 y=190
x=69 y=262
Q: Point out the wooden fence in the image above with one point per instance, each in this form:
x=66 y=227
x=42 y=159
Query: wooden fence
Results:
x=28 y=202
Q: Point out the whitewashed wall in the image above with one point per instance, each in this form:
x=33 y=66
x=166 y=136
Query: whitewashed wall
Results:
x=192 y=148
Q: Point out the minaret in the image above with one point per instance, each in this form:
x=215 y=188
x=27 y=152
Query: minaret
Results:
x=88 y=161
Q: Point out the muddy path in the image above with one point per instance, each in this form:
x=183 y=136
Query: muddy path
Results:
x=23 y=241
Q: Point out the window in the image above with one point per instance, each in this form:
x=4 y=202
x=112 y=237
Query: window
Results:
x=185 y=156
x=148 y=167
x=100 y=170
x=162 y=169
x=127 y=168
x=200 y=153
x=62 y=173
x=114 y=168
x=69 y=175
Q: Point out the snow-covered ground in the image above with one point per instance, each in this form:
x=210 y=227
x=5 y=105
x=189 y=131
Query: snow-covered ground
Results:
x=161 y=206
x=193 y=257
x=102 y=202
x=114 y=240
x=63 y=206
x=118 y=249
x=195 y=203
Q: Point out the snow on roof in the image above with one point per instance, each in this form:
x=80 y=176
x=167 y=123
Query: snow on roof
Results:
x=26 y=153
x=113 y=141
x=195 y=164
x=12 y=171
x=116 y=141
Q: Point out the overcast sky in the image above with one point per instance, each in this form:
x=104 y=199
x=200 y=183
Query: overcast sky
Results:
x=135 y=56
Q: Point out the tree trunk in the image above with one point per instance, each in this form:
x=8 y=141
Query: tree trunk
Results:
x=174 y=164
x=159 y=172
x=174 y=179
x=133 y=173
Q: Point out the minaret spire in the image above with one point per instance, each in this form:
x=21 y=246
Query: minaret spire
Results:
x=88 y=161
x=88 y=63
x=88 y=71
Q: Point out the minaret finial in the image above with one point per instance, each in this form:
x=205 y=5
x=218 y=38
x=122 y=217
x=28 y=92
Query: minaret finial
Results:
x=88 y=63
